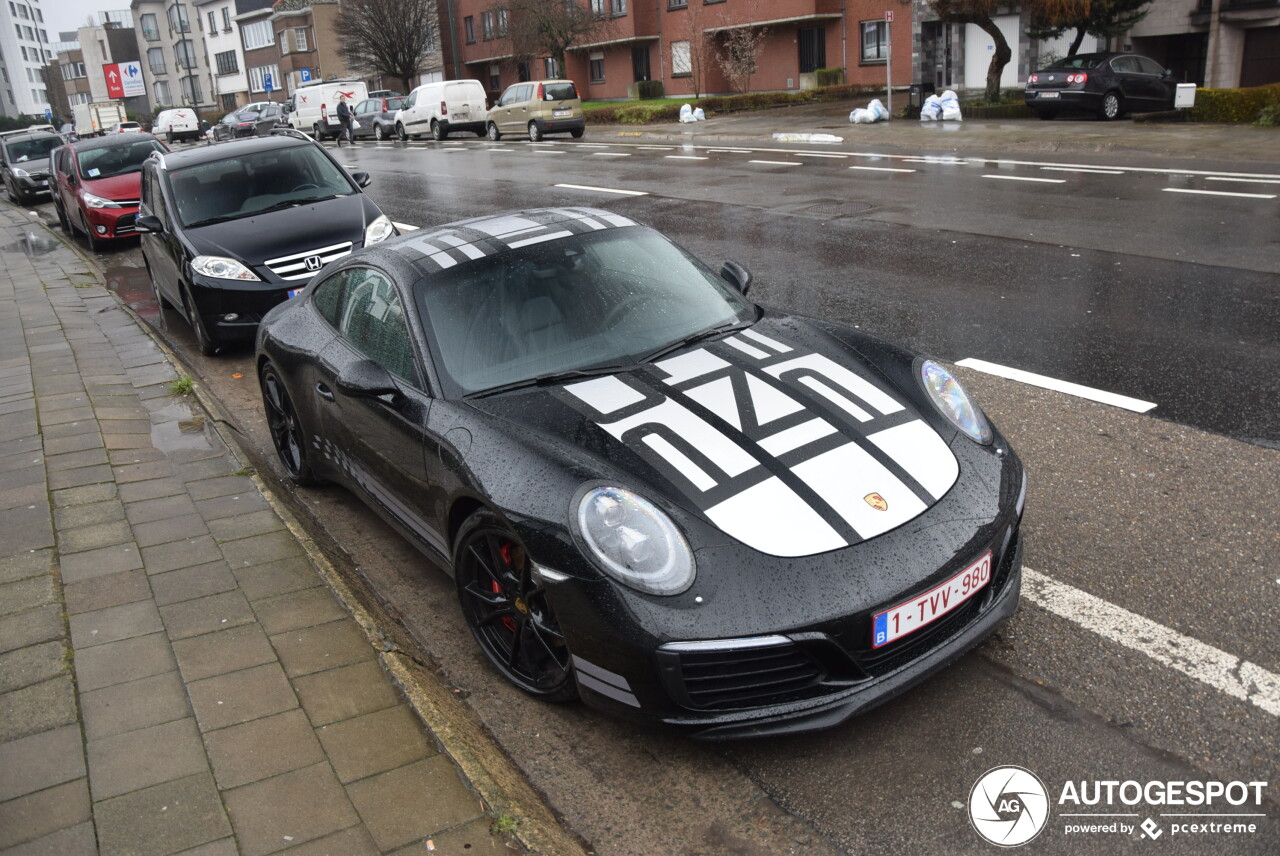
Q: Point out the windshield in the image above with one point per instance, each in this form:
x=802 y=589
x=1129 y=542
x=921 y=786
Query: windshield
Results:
x=1079 y=61
x=38 y=148
x=249 y=184
x=116 y=160
x=599 y=299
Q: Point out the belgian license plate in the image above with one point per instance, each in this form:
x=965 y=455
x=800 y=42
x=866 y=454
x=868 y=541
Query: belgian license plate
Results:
x=294 y=292
x=922 y=610
x=561 y=111
x=1048 y=95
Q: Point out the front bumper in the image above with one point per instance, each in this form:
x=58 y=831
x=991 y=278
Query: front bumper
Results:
x=32 y=185
x=216 y=299
x=112 y=223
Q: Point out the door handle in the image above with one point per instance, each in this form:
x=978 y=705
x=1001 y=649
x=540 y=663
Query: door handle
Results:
x=324 y=392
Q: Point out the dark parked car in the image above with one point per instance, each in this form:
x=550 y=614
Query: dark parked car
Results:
x=651 y=492
x=95 y=184
x=231 y=230
x=24 y=164
x=257 y=122
x=377 y=117
x=1108 y=84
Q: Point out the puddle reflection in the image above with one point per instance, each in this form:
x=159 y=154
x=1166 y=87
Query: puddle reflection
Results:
x=177 y=428
x=32 y=244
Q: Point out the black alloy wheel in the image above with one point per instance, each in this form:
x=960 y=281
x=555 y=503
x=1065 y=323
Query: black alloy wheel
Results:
x=204 y=344
x=94 y=243
x=507 y=610
x=286 y=431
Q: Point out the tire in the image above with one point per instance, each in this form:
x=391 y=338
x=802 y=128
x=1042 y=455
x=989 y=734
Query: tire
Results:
x=1111 y=107
x=155 y=286
x=577 y=133
x=94 y=244
x=62 y=220
x=535 y=132
x=204 y=344
x=507 y=610
x=320 y=135
x=493 y=132
x=287 y=433
x=1046 y=114
x=401 y=133
x=438 y=131
x=378 y=133
x=8 y=191
x=168 y=138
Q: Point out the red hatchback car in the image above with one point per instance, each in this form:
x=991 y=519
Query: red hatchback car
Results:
x=96 y=184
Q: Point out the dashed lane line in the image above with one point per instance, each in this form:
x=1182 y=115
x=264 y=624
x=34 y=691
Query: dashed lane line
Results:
x=604 y=189
x=611 y=154
x=1249 y=180
x=1065 y=386
x=882 y=168
x=776 y=163
x=1225 y=672
x=1026 y=178
x=1218 y=193
x=686 y=157
x=1083 y=169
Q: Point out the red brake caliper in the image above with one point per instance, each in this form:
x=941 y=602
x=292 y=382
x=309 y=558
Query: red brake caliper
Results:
x=505 y=552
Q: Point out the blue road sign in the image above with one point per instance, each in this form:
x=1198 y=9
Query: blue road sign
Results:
x=48 y=114
x=266 y=82
x=304 y=75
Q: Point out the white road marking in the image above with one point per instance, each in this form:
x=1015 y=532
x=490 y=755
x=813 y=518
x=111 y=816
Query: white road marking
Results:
x=818 y=155
x=1250 y=180
x=882 y=169
x=1146 y=169
x=733 y=151
x=1098 y=395
x=1025 y=178
x=777 y=163
x=604 y=189
x=405 y=227
x=686 y=157
x=549 y=152
x=1083 y=169
x=1224 y=672
x=591 y=145
x=611 y=154
x=656 y=148
x=1218 y=193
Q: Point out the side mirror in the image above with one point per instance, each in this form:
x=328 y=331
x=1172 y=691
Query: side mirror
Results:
x=367 y=379
x=148 y=223
x=736 y=275
x=1167 y=73
x=363 y=179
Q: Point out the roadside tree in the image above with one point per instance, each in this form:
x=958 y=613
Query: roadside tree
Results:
x=389 y=37
x=1102 y=18
x=550 y=28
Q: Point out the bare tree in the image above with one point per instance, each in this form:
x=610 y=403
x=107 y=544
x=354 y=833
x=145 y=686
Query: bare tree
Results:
x=739 y=52
x=389 y=37
x=541 y=28
x=1102 y=18
x=701 y=49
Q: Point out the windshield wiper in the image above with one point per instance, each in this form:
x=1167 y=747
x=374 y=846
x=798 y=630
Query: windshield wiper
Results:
x=288 y=203
x=550 y=379
x=703 y=335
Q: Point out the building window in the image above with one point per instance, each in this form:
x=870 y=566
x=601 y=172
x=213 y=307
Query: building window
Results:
x=256 y=83
x=178 y=22
x=522 y=72
x=681 y=66
x=31 y=36
x=150 y=29
x=258 y=35
x=72 y=70
x=300 y=39
x=284 y=41
x=155 y=59
x=549 y=69
x=619 y=7
x=495 y=77
x=18 y=27
x=677 y=4
x=184 y=54
x=486 y=25
x=597 y=8
x=226 y=62
x=502 y=22
x=469 y=24
x=191 y=90
x=597 y=66
x=229 y=101
x=213 y=23
x=160 y=89
x=875 y=41
x=226 y=21
x=77 y=98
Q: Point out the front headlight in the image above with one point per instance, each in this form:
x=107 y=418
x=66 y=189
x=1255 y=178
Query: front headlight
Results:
x=378 y=230
x=634 y=542
x=98 y=202
x=954 y=403
x=220 y=268
x=18 y=172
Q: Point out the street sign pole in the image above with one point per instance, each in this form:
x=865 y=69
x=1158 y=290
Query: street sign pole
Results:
x=888 y=59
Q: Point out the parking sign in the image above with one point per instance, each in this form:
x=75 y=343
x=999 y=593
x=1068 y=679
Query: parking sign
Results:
x=304 y=75
x=266 y=82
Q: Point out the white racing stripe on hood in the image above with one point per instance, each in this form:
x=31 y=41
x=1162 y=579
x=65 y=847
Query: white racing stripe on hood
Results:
x=773 y=519
x=844 y=476
x=919 y=450
x=719 y=449
x=837 y=373
x=688 y=366
x=606 y=394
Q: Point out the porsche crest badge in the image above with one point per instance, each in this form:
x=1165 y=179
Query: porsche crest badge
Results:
x=876 y=501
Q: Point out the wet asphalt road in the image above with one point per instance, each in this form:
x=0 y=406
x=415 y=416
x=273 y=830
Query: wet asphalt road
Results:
x=1163 y=518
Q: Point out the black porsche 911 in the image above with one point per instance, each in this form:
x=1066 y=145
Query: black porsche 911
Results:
x=652 y=493
x=1106 y=84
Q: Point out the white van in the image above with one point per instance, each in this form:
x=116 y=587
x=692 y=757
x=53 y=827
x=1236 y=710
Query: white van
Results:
x=177 y=124
x=315 y=106
x=442 y=107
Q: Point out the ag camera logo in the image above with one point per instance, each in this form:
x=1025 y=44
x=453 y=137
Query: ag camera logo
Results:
x=1008 y=806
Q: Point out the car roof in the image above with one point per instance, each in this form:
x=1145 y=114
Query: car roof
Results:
x=429 y=251
x=29 y=135
x=230 y=149
x=110 y=142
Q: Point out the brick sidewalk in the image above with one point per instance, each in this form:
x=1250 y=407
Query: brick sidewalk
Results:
x=175 y=677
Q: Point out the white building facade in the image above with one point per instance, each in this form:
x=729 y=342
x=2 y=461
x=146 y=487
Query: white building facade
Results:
x=25 y=49
x=228 y=82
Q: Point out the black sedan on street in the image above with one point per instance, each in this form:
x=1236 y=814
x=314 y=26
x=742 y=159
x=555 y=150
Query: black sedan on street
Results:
x=1107 y=84
x=229 y=231
x=652 y=493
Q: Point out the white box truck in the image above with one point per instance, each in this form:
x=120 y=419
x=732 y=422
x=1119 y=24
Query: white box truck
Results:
x=94 y=118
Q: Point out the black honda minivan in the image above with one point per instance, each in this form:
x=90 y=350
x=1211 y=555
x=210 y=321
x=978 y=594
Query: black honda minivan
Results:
x=231 y=230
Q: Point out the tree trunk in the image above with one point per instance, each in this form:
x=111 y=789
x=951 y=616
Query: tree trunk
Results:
x=998 y=61
x=1079 y=39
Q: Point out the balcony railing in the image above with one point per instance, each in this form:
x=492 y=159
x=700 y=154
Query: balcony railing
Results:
x=151 y=35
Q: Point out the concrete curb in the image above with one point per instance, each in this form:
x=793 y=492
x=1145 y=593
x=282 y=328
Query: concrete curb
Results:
x=487 y=770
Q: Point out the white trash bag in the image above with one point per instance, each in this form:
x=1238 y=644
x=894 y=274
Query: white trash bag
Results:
x=950 y=104
x=877 y=111
x=931 y=109
x=699 y=115
x=861 y=116
x=686 y=113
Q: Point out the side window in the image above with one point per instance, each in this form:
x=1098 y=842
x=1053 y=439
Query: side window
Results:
x=328 y=297
x=158 y=206
x=411 y=100
x=1125 y=64
x=373 y=321
x=1150 y=66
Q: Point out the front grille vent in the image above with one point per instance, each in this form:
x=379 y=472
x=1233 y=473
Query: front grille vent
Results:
x=742 y=677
